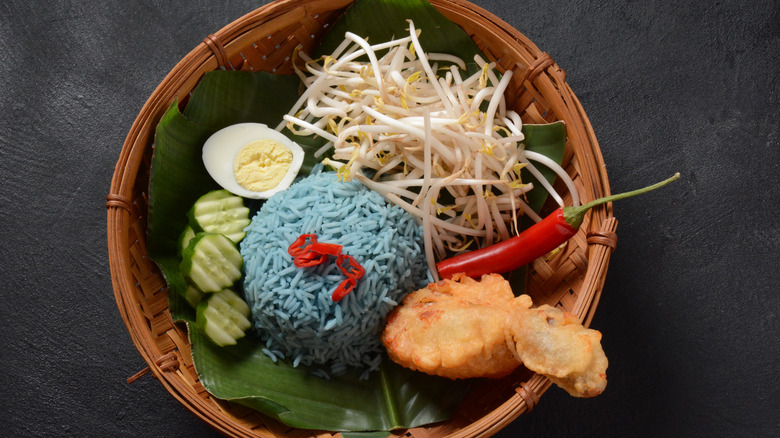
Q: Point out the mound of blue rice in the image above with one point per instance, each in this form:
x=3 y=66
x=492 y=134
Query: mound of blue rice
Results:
x=292 y=309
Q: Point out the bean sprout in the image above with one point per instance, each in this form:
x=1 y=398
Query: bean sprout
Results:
x=423 y=141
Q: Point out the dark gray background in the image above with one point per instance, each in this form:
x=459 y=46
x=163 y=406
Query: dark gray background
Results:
x=690 y=307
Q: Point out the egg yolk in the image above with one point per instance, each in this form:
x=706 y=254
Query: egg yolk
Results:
x=261 y=165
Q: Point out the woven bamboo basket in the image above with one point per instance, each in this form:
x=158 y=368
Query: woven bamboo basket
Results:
x=264 y=40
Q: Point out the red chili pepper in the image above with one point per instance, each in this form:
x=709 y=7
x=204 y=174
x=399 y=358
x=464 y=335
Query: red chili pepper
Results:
x=536 y=241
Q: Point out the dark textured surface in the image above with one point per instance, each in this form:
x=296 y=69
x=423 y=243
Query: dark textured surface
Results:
x=689 y=310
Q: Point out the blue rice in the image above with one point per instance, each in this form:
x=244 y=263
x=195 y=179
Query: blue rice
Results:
x=292 y=309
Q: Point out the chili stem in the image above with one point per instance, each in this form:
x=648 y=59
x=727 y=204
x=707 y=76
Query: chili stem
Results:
x=575 y=215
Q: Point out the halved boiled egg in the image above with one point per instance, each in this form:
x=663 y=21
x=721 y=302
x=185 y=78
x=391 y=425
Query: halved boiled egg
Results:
x=252 y=160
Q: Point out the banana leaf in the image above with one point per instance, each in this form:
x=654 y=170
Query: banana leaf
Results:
x=550 y=141
x=391 y=398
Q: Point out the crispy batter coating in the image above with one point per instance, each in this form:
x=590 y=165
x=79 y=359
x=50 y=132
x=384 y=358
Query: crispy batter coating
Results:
x=454 y=329
x=554 y=343
x=463 y=328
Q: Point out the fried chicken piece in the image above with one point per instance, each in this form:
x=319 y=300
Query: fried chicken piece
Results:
x=554 y=343
x=455 y=329
x=463 y=328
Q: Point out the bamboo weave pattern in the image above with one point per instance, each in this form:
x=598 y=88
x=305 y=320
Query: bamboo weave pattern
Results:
x=265 y=40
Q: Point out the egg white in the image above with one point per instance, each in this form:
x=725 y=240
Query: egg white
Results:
x=221 y=149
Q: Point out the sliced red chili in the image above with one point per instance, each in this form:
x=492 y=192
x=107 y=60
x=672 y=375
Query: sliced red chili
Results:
x=306 y=252
x=343 y=289
x=309 y=259
x=302 y=244
x=326 y=248
x=350 y=267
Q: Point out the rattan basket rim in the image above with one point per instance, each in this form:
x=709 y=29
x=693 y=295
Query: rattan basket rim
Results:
x=125 y=202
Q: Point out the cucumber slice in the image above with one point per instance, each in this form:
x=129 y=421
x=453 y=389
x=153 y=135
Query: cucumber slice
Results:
x=222 y=212
x=211 y=262
x=192 y=295
x=223 y=317
x=185 y=237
